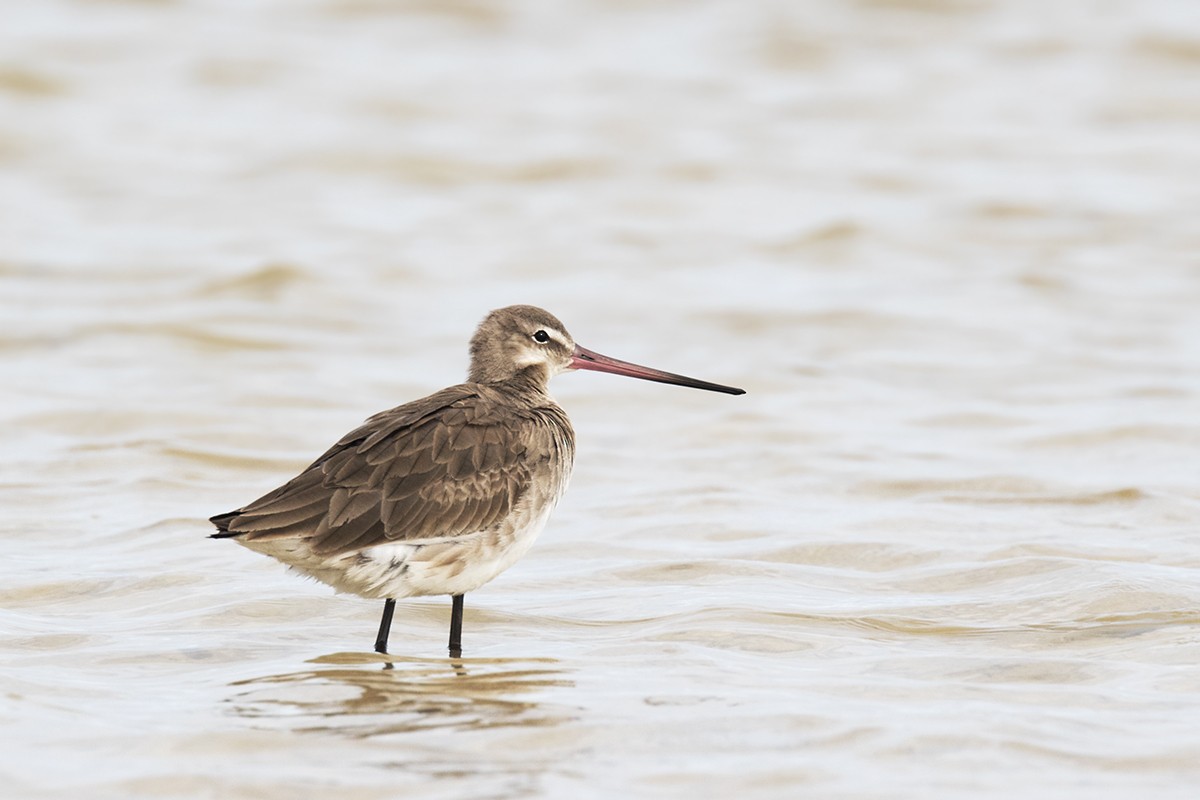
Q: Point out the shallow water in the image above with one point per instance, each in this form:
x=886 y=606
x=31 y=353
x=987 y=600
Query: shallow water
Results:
x=945 y=546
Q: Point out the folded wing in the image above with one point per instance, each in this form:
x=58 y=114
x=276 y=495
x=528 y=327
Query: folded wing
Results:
x=435 y=468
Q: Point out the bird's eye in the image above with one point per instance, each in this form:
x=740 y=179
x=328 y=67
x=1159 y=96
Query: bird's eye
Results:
x=541 y=337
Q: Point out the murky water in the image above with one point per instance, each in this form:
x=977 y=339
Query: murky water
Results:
x=947 y=546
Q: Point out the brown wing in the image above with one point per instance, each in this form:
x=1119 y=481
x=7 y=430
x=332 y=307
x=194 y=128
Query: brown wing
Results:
x=443 y=466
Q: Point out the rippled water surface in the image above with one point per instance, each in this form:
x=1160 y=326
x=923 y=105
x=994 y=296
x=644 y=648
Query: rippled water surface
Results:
x=946 y=546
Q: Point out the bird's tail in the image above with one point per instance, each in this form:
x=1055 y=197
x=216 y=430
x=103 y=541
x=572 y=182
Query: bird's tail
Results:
x=222 y=522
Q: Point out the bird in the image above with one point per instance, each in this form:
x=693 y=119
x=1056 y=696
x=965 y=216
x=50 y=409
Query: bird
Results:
x=440 y=495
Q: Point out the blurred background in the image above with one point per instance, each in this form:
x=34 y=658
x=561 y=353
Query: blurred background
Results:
x=945 y=546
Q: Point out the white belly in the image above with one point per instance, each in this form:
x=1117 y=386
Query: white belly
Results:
x=455 y=565
x=452 y=566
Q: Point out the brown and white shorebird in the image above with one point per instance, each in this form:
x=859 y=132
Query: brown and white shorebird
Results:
x=440 y=495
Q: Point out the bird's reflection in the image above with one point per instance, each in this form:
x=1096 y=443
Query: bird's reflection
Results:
x=362 y=695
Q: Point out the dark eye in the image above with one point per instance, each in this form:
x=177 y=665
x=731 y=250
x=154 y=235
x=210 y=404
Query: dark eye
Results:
x=541 y=337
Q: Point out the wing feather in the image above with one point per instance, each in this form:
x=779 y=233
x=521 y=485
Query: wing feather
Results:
x=451 y=464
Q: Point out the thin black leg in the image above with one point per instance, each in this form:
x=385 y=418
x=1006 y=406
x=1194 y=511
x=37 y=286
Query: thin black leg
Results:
x=456 y=626
x=385 y=626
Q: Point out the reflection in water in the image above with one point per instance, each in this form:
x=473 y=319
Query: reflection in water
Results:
x=363 y=695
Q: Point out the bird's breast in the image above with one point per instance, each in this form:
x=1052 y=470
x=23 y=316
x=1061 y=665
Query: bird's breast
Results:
x=462 y=564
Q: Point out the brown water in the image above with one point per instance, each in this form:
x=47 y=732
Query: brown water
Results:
x=947 y=546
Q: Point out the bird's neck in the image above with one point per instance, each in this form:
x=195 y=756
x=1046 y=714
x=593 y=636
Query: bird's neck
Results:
x=531 y=380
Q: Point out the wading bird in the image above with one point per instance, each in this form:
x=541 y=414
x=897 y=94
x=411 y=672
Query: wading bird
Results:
x=440 y=495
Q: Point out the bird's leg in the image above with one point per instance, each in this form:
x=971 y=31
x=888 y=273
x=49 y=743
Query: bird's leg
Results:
x=385 y=626
x=456 y=612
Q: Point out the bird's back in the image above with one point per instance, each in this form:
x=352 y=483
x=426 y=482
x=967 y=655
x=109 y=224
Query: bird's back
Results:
x=472 y=470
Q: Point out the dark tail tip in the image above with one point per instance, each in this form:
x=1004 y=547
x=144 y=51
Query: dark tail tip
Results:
x=222 y=522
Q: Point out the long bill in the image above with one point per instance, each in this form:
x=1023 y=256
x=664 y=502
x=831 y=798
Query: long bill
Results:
x=582 y=358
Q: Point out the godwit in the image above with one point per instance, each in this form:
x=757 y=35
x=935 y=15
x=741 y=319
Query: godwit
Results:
x=440 y=495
